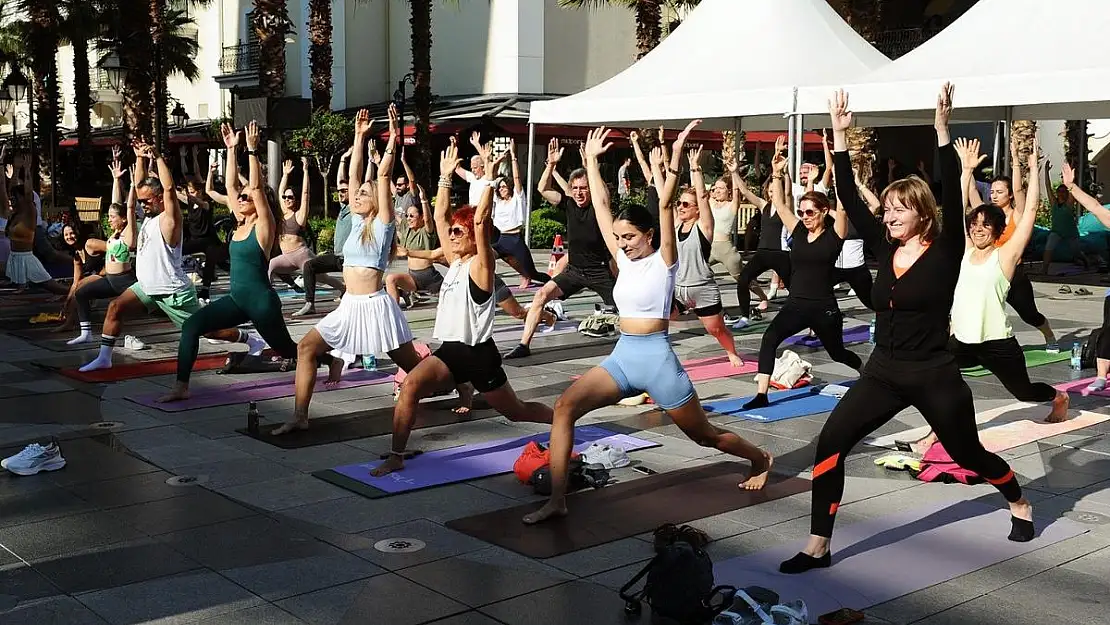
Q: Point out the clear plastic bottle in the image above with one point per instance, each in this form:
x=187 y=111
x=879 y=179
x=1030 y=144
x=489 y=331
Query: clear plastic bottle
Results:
x=871 y=333
x=369 y=362
x=1076 y=356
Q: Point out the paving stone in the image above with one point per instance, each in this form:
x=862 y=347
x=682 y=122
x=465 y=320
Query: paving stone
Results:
x=170 y=600
x=112 y=565
x=439 y=542
x=295 y=576
x=382 y=599
x=487 y=576
x=566 y=604
x=130 y=490
x=286 y=492
x=198 y=507
x=52 y=611
x=246 y=542
x=35 y=541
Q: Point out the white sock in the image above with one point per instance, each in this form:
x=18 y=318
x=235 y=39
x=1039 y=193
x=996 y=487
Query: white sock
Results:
x=1098 y=385
x=103 y=360
x=84 y=337
x=255 y=344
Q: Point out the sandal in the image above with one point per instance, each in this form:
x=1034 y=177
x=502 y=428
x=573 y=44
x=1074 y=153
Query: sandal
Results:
x=1082 y=291
x=1065 y=289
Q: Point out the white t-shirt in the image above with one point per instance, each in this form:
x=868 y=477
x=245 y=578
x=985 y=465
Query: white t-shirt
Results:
x=477 y=185
x=508 y=214
x=851 y=254
x=623 y=183
x=38 y=209
x=800 y=190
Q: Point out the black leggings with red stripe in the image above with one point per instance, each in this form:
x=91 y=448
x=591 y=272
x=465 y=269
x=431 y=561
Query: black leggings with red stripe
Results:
x=885 y=388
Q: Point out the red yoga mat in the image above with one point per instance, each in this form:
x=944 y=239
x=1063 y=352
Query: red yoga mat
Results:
x=132 y=370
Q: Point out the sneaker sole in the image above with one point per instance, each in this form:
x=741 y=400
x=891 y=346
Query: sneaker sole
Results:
x=49 y=466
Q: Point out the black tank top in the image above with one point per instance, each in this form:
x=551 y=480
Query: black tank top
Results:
x=812 y=264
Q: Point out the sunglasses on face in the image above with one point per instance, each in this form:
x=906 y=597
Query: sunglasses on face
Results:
x=288 y=197
x=412 y=216
x=343 y=190
x=457 y=232
x=685 y=203
x=243 y=197
x=808 y=212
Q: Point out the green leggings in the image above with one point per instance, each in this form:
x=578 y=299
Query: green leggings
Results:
x=263 y=309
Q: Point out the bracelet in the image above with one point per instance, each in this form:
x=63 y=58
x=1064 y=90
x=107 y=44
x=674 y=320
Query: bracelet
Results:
x=694 y=169
x=776 y=176
x=443 y=184
x=252 y=152
x=672 y=170
x=389 y=151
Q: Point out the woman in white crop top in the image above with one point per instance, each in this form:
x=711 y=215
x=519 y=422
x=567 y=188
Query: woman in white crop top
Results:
x=464 y=319
x=643 y=360
x=367 y=320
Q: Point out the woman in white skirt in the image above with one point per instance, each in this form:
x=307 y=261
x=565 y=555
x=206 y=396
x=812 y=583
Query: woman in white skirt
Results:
x=367 y=320
x=23 y=267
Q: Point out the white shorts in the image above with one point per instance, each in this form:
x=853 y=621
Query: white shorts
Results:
x=365 y=324
x=25 y=268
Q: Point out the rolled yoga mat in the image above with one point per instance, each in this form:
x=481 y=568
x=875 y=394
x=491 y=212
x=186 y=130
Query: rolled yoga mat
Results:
x=852 y=336
x=1034 y=357
x=459 y=464
x=625 y=509
x=797 y=402
x=243 y=392
x=933 y=544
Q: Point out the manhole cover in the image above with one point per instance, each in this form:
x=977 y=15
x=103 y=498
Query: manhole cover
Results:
x=8 y=602
x=1088 y=518
x=399 y=545
x=187 y=480
x=442 y=436
x=106 y=425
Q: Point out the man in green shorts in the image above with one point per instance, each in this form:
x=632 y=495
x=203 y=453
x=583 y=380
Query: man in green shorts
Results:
x=162 y=282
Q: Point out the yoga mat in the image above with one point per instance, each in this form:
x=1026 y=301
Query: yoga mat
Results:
x=1080 y=386
x=852 y=336
x=459 y=464
x=702 y=369
x=132 y=370
x=378 y=421
x=626 y=509
x=559 y=353
x=757 y=326
x=242 y=392
x=797 y=402
x=1033 y=358
x=512 y=332
x=1009 y=426
x=877 y=560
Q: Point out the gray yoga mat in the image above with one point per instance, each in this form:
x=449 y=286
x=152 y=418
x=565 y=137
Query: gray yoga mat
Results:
x=881 y=559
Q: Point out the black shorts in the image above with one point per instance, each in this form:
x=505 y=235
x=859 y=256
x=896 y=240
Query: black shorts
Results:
x=480 y=364
x=427 y=280
x=597 y=279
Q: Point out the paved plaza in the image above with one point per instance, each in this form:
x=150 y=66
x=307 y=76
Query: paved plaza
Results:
x=251 y=536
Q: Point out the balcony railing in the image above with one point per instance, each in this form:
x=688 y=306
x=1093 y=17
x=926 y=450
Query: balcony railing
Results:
x=239 y=59
x=101 y=82
x=895 y=43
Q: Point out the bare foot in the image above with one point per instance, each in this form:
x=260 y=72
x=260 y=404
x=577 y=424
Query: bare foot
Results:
x=1022 y=509
x=465 y=401
x=335 y=372
x=180 y=392
x=1059 y=409
x=763 y=304
x=735 y=360
x=391 y=464
x=548 y=511
x=759 y=474
x=292 y=426
x=923 y=445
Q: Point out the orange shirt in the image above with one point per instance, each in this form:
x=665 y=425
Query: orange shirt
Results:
x=1006 y=234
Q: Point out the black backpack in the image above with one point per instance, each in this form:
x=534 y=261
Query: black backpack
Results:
x=679 y=582
x=1090 y=349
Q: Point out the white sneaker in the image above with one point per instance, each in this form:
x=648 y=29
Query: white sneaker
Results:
x=35 y=458
x=556 y=308
x=1099 y=384
x=741 y=324
x=606 y=455
x=133 y=342
x=635 y=400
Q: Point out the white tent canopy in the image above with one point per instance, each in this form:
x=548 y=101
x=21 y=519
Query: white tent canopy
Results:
x=1008 y=59
x=729 y=60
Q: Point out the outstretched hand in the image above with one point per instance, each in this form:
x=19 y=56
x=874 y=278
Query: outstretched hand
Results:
x=1068 y=174
x=229 y=134
x=362 y=123
x=944 y=106
x=838 y=111
x=254 y=135
x=968 y=150
x=596 y=144
x=449 y=160
x=554 y=152
x=685 y=134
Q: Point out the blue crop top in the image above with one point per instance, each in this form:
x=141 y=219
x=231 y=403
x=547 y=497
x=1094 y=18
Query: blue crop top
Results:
x=374 y=254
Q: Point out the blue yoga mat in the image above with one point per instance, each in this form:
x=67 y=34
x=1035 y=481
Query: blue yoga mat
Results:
x=458 y=464
x=852 y=336
x=797 y=402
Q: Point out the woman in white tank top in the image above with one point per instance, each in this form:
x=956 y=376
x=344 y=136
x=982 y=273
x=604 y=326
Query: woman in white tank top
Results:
x=642 y=360
x=464 y=319
x=724 y=205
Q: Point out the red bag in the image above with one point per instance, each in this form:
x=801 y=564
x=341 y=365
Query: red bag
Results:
x=531 y=458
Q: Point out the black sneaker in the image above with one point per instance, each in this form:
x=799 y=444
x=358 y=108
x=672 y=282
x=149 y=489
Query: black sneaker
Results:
x=520 y=351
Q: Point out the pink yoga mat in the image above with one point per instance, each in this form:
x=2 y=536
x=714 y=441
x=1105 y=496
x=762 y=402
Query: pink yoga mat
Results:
x=702 y=369
x=1080 y=386
x=243 y=392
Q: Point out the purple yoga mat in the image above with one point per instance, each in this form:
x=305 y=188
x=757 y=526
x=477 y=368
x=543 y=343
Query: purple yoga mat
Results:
x=458 y=464
x=855 y=334
x=881 y=559
x=242 y=392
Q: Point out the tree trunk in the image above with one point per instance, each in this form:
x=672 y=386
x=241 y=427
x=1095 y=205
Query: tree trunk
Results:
x=1022 y=133
x=43 y=45
x=649 y=29
x=1075 y=150
x=732 y=144
x=157 y=36
x=420 y=23
x=136 y=53
x=865 y=17
x=82 y=101
x=271 y=67
x=320 y=53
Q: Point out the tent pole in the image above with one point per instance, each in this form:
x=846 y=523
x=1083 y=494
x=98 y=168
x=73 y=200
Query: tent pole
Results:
x=799 y=138
x=528 y=185
x=790 y=148
x=996 y=162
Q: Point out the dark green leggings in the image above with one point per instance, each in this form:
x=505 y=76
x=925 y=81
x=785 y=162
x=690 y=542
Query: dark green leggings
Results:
x=262 y=309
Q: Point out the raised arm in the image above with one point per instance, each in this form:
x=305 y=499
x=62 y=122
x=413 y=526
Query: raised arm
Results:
x=750 y=197
x=518 y=188
x=865 y=193
x=116 y=167
x=264 y=228
x=1017 y=185
x=840 y=220
x=306 y=194
x=866 y=225
x=1013 y=249
x=385 y=198
x=952 y=198
x=172 y=221
x=594 y=147
x=341 y=172
x=410 y=175
x=448 y=161
x=210 y=186
x=128 y=234
x=481 y=271
x=658 y=178
x=826 y=178
x=667 y=246
x=733 y=168
x=426 y=208
x=645 y=169
x=554 y=153
x=968 y=151
x=358 y=151
x=286 y=169
x=697 y=181
x=1085 y=200
x=779 y=179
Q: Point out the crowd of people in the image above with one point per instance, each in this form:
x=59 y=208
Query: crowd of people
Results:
x=947 y=265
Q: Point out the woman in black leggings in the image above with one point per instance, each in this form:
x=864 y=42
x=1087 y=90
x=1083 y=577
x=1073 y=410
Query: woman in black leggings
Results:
x=919 y=265
x=811 y=304
x=768 y=253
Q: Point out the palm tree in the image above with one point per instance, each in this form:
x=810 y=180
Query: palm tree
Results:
x=1075 y=143
x=43 y=18
x=319 y=53
x=1022 y=134
x=649 y=17
x=420 y=32
x=81 y=24
x=865 y=17
x=271 y=23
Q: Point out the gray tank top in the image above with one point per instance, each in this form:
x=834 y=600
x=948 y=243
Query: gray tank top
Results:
x=693 y=258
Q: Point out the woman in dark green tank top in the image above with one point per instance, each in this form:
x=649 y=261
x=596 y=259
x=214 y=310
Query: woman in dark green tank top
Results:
x=251 y=298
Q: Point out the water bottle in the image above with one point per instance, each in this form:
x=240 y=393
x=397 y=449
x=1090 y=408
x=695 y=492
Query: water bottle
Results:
x=252 y=418
x=369 y=362
x=1076 y=356
x=871 y=333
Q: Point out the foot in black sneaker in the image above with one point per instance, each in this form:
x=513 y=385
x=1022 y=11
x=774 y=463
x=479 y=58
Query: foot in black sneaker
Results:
x=803 y=562
x=1021 y=531
x=520 y=351
x=759 y=401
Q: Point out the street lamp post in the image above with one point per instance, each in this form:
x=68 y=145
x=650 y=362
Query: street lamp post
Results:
x=180 y=116
x=18 y=87
x=399 y=97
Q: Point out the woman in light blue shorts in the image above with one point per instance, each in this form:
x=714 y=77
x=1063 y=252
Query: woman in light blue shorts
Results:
x=643 y=360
